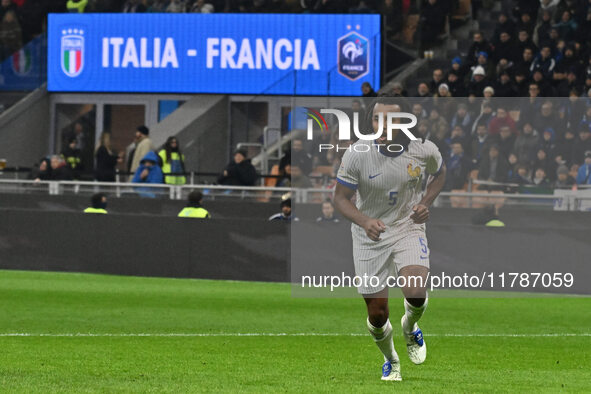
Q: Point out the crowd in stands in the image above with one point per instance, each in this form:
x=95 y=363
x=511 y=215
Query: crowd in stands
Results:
x=23 y=20
x=538 y=50
x=141 y=161
x=532 y=141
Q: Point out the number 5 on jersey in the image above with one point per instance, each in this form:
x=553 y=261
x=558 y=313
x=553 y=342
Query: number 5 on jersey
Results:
x=393 y=198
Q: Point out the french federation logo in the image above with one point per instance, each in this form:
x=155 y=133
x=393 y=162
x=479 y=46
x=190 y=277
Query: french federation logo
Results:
x=353 y=56
x=72 y=52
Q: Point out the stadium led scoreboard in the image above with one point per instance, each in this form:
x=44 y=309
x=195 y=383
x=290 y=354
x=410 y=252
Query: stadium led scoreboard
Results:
x=281 y=54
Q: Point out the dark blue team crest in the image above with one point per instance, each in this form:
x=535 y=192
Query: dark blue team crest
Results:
x=353 y=56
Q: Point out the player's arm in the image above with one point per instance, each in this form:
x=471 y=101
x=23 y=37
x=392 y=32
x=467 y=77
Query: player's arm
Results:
x=342 y=201
x=434 y=185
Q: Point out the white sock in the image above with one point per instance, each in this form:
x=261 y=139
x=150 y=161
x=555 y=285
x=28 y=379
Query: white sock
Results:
x=383 y=338
x=413 y=314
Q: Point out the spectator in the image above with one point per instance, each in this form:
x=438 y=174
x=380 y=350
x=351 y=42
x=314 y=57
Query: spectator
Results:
x=355 y=107
x=42 y=172
x=546 y=88
x=457 y=67
x=547 y=142
x=59 y=170
x=73 y=158
x=565 y=148
x=194 y=208
x=367 y=90
x=505 y=141
x=148 y=170
x=361 y=8
x=423 y=90
x=436 y=80
x=513 y=162
x=501 y=119
x=78 y=134
x=526 y=143
x=526 y=23
x=443 y=91
x=173 y=161
x=478 y=82
x=520 y=176
x=398 y=90
x=504 y=87
x=134 y=6
x=524 y=64
x=176 y=6
x=239 y=172
x=506 y=50
x=543 y=161
x=493 y=166
x=480 y=143
x=432 y=21
x=563 y=179
x=504 y=24
x=202 y=7
x=298 y=179
x=524 y=41
x=544 y=62
x=299 y=157
x=285 y=214
x=77 y=6
x=143 y=145
x=584 y=173
x=6 y=6
x=458 y=167
x=566 y=27
x=540 y=178
x=327 y=213
x=10 y=35
x=106 y=160
x=542 y=32
x=419 y=112
x=521 y=82
x=479 y=44
x=485 y=116
x=456 y=85
x=462 y=118
x=98 y=204
x=569 y=84
x=488 y=92
x=582 y=145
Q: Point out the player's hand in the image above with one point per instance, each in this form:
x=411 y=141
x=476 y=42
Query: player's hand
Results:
x=373 y=228
x=420 y=214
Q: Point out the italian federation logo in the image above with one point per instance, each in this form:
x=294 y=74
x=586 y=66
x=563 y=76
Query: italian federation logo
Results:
x=72 y=52
x=22 y=61
x=353 y=56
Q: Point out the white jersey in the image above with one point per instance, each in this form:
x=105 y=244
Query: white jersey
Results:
x=388 y=187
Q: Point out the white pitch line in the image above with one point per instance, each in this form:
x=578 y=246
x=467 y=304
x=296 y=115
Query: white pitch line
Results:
x=261 y=334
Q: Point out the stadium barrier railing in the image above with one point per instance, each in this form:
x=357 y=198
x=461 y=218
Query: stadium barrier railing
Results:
x=561 y=200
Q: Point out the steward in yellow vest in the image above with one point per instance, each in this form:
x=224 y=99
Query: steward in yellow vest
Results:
x=99 y=204
x=173 y=161
x=193 y=208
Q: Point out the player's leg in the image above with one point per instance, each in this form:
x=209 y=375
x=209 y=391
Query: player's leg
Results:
x=380 y=328
x=412 y=261
x=377 y=262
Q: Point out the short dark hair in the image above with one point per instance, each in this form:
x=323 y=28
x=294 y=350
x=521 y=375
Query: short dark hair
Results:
x=195 y=198
x=97 y=200
x=143 y=129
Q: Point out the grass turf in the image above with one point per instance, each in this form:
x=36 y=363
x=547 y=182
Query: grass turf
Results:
x=56 y=303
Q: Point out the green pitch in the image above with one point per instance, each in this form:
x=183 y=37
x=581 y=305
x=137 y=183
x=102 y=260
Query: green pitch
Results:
x=346 y=361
